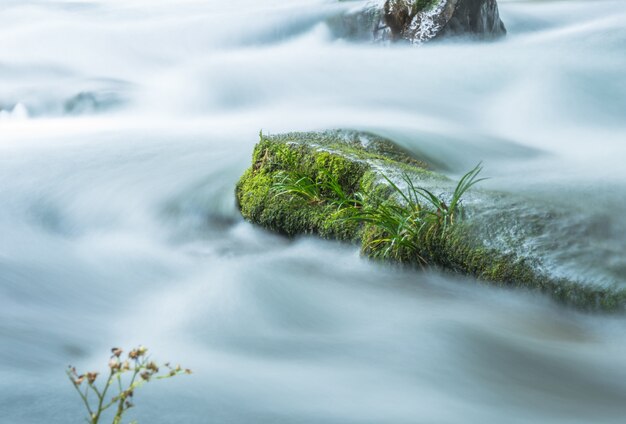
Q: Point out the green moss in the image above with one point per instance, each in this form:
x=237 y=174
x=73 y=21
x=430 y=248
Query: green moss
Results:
x=421 y=5
x=252 y=191
x=354 y=160
x=288 y=214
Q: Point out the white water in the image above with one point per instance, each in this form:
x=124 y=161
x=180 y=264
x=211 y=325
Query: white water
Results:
x=118 y=224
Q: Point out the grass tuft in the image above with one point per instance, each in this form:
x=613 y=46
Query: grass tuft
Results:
x=297 y=185
x=325 y=189
x=398 y=224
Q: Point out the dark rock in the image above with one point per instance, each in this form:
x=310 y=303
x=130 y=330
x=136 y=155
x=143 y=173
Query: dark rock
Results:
x=89 y=102
x=418 y=21
x=477 y=17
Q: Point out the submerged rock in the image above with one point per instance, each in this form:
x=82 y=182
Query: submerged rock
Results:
x=357 y=163
x=89 y=102
x=418 y=21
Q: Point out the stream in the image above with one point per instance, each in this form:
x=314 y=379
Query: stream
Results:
x=125 y=125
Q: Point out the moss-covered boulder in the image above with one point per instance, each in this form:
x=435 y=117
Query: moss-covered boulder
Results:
x=351 y=163
x=418 y=21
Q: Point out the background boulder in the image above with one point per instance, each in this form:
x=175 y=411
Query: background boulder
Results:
x=418 y=21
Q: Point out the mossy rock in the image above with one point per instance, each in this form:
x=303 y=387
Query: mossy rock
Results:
x=357 y=160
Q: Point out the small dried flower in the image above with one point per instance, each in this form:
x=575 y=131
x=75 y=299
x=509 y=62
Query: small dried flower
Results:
x=91 y=377
x=152 y=367
x=137 y=353
x=146 y=375
x=114 y=364
x=126 y=366
x=79 y=380
x=116 y=351
x=188 y=371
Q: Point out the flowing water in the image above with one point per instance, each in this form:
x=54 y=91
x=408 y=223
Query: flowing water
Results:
x=124 y=126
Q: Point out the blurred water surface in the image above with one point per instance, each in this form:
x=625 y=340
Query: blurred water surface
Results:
x=124 y=126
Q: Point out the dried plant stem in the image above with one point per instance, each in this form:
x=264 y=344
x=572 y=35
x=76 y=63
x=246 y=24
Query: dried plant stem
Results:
x=142 y=370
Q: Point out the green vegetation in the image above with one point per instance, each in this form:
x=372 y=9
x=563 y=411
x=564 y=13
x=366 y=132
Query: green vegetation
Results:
x=402 y=225
x=124 y=377
x=345 y=185
x=325 y=190
x=402 y=221
x=420 y=5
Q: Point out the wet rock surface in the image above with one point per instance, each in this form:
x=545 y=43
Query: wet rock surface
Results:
x=419 y=21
